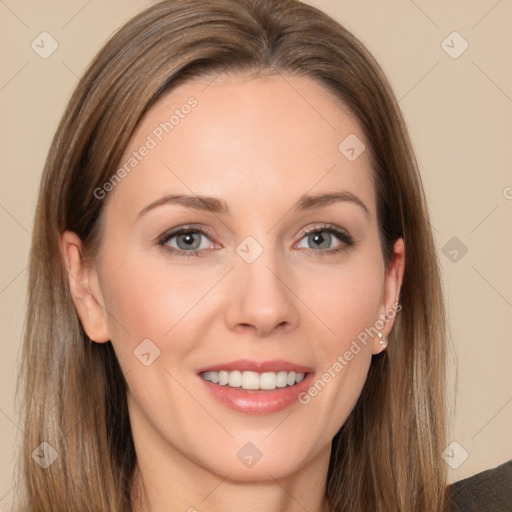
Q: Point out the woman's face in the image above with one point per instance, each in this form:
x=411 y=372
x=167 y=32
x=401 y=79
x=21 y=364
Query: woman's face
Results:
x=274 y=277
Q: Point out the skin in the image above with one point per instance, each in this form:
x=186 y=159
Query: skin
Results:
x=258 y=143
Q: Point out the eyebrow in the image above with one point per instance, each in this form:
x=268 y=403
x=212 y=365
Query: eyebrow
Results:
x=215 y=205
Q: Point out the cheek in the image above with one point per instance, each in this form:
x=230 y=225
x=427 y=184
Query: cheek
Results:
x=346 y=299
x=142 y=303
x=148 y=298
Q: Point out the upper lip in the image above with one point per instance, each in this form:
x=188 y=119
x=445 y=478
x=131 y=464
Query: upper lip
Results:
x=257 y=366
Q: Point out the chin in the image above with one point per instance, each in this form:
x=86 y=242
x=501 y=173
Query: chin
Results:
x=261 y=471
x=259 y=460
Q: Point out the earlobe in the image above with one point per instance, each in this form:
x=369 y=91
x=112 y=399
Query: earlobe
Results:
x=383 y=342
x=391 y=305
x=84 y=288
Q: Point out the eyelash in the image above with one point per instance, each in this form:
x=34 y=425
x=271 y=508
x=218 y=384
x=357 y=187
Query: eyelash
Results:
x=342 y=235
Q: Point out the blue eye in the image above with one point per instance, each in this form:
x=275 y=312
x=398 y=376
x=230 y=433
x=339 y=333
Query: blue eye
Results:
x=322 y=240
x=185 y=241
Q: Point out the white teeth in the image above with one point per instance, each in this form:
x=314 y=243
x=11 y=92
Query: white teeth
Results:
x=250 y=380
x=268 y=380
x=282 y=379
x=254 y=380
x=223 y=378
x=235 y=379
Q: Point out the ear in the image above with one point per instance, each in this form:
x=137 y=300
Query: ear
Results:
x=85 y=289
x=390 y=306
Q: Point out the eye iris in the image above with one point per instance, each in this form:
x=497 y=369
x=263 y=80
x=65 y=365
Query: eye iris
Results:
x=323 y=239
x=188 y=239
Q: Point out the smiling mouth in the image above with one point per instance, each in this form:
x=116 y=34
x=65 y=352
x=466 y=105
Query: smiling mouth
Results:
x=254 y=381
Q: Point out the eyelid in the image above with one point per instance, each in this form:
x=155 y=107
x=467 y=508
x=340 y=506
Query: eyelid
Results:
x=322 y=226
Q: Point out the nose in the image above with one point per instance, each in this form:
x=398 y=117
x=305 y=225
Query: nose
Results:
x=262 y=298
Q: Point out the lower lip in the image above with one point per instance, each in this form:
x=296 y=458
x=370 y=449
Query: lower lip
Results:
x=258 y=402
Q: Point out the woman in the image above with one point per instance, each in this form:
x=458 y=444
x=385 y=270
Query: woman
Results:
x=234 y=295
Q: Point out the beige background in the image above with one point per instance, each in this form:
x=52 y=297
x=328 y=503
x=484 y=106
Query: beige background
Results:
x=459 y=111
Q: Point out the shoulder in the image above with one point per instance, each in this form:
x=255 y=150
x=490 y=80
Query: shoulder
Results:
x=489 y=491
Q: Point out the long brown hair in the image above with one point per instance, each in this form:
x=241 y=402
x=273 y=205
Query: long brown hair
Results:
x=386 y=457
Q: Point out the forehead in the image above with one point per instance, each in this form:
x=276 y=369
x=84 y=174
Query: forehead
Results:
x=250 y=140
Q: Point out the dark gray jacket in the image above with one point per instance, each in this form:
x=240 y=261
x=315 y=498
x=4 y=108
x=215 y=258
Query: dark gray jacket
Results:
x=489 y=491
